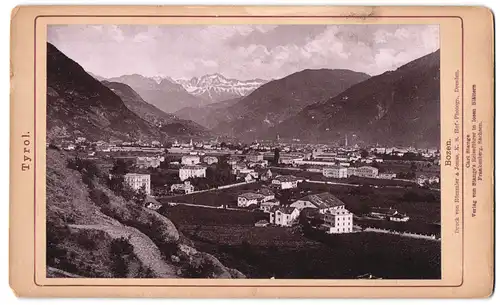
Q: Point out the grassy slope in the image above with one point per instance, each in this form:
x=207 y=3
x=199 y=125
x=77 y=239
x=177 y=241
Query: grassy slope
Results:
x=93 y=238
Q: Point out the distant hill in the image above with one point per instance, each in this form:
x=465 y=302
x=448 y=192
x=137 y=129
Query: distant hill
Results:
x=398 y=107
x=276 y=101
x=163 y=93
x=166 y=122
x=217 y=88
x=80 y=105
x=209 y=115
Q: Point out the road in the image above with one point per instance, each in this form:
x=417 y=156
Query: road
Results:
x=206 y=206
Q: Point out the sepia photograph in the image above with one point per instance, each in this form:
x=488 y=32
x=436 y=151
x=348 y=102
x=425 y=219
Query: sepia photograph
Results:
x=246 y=151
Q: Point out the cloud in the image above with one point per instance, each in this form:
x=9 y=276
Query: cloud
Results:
x=241 y=51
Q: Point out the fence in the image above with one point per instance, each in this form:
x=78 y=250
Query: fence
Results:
x=406 y=234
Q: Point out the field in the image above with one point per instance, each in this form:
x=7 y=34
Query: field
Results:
x=287 y=253
x=350 y=180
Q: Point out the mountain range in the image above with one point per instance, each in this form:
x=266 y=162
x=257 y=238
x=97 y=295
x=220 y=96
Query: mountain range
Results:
x=276 y=101
x=217 y=88
x=163 y=93
x=398 y=107
x=80 y=105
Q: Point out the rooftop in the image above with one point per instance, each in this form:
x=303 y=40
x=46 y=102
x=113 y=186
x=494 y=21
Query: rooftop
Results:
x=193 y=167
x=251 y=196
x=323 y=200
x=286 y=178
x=136 y=175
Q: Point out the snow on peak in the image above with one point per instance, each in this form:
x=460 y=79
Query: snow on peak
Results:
x=216 y=87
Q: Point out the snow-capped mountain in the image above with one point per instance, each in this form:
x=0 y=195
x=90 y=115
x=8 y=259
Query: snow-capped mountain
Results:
x=215 y=87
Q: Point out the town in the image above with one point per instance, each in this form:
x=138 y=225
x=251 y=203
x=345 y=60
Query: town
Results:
x=279 y=181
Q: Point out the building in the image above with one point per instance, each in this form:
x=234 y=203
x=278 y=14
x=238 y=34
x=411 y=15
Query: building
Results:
x=186 y=188
x=190 y=160
x=210 y=160
x=335 y=172
x=268 y=206
x=248 y=199
x=285 y=182
x=383 y=213
x=255 y=157
x=338 y=221
x=264 y=174
x=137 y=181
x=147 y=162
x=262 y=223
x=399 y=218
x=324 y=202
x=267 y=193
x=386 y=176
x=351 y=171
x=283 y=216
x=367 y=172
x=192 y=171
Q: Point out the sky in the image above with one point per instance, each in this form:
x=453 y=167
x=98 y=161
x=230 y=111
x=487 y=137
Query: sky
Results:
x=241 y=51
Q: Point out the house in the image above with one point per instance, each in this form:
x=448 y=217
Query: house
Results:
x=283 y=216
x=265 y=174
x=190 y=160
x=248 y=199
x=192 y=171
x=238 y=167
x=338 y=221
x=351 y=171
x=186 y=188
x=210 y=160
x=388 y=176
x=137 y=181
x=285 y=182
x=152 y=204
x=399 y=218
x=367 y=172
x=267 y=193
x=335 y=172
x=267 y=206
x=324 y=202
x=382 y=213
x=262 y=223
x=254 y=157
x=147 y=162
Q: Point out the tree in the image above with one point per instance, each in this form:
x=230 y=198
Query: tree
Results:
x=364 y=153
x=140 y=196
x=276 y=158
x=120 y=168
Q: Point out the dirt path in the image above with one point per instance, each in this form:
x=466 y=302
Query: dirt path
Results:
x=144 y=248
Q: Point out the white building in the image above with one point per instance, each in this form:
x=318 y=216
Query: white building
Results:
x=338 y=221
x=248 y=199
x=324 y=202
x=367 y=172
x=210 y=160
x=186 y=187
x=286 y=182
x=190 y=160
x=283 y=216
x=192 y=171
x=335 y=172
x=254 y=157
x=386 y=176
x=137 y=181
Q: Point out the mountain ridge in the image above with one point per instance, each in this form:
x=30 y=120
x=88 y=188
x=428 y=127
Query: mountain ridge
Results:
x=399 y=107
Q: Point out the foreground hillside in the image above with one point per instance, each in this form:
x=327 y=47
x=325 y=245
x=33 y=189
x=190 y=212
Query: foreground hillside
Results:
x=398 y=107
x=93 y=232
